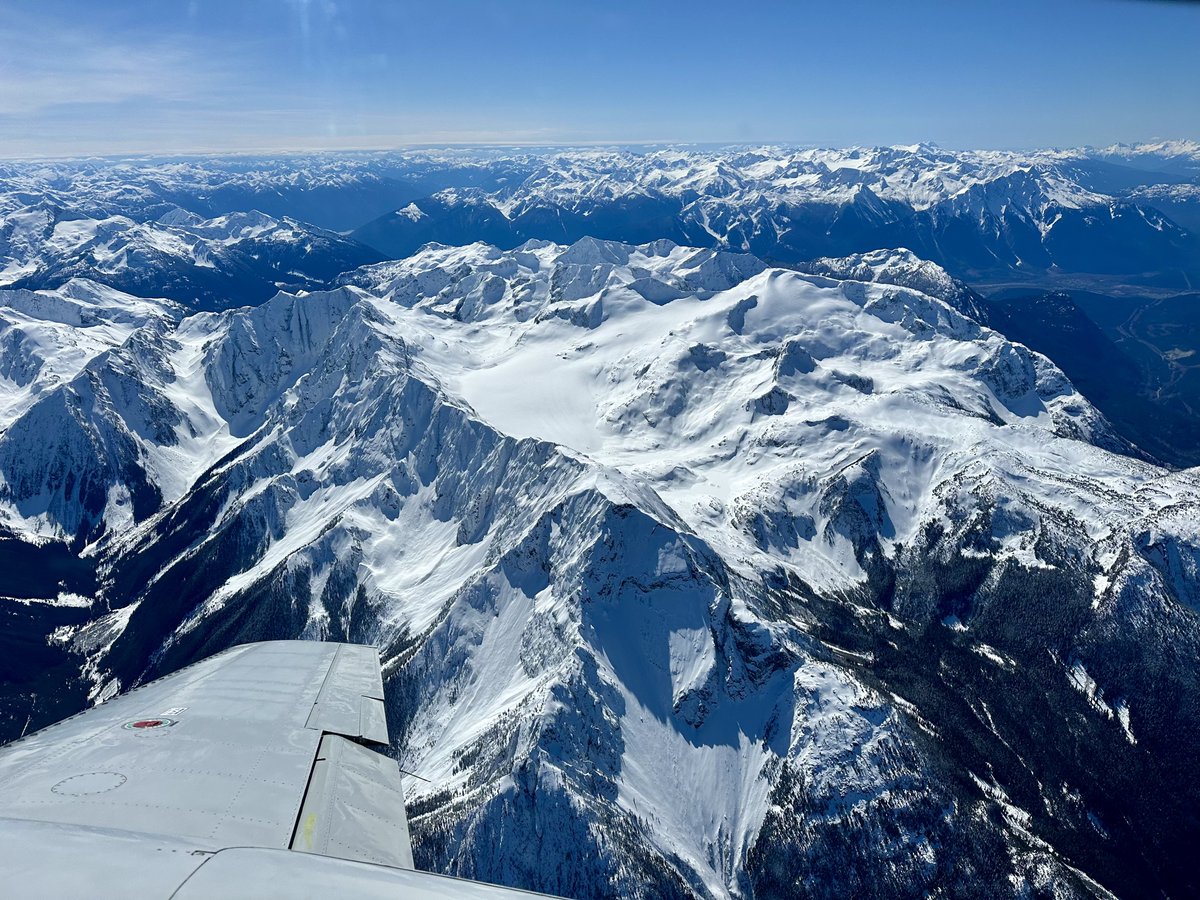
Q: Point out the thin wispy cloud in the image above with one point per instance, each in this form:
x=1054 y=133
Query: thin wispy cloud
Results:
x=50 y=62
x=89 y=74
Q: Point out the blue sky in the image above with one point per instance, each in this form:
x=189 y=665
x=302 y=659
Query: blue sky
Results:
x=179 y=75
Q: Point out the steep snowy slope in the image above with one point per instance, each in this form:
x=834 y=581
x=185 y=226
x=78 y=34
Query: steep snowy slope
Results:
x=694 y=577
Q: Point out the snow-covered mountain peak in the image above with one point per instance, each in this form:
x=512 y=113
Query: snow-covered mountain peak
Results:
x=467 y=283
x=973 y=211
x=900 y=267
x=221 y=261
x=49 y=336
x=685 y=366
x=1162 y=149
x=179 y=217
x=240 y=226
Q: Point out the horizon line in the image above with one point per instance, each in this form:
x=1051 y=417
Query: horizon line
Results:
x=402 y=147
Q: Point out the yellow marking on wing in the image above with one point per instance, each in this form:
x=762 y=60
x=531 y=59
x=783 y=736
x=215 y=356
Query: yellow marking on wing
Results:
x=310 y=826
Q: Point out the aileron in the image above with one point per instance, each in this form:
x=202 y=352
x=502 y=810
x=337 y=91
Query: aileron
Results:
x=354 y=807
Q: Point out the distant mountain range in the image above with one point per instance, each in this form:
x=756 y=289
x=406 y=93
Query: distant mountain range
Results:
x=978 y=214
x=1124 y=210
x=230 y=260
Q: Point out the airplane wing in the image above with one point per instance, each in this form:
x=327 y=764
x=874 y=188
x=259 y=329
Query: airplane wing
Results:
x=208 y=781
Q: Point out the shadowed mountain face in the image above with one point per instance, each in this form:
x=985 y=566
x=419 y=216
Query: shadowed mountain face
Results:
x=1131 y=356
x=693 y=576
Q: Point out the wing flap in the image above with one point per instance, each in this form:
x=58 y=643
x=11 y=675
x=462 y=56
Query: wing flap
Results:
x=354 y=807
x=372 y=721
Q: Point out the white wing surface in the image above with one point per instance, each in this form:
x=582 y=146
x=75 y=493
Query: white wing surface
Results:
x=219 y=773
